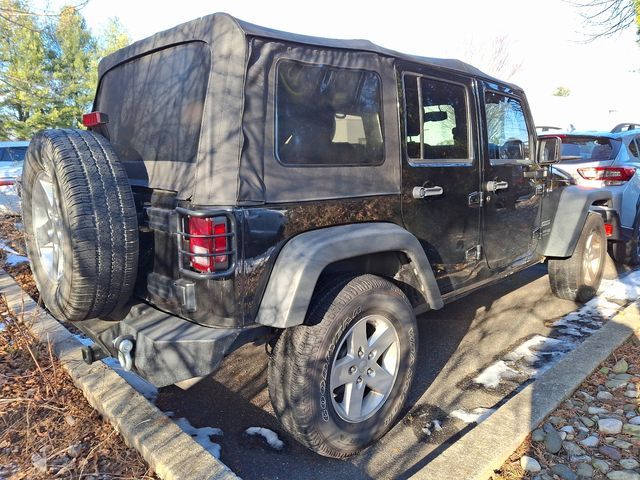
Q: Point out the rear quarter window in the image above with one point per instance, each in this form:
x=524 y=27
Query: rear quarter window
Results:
x=328 y=116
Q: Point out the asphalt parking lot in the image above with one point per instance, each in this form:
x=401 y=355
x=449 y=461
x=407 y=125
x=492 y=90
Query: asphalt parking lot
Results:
x=457 y=343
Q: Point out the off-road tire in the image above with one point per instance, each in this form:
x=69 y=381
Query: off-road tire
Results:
x=569 y=277
x=628 y=253
x=96 y=222
x=300 y=366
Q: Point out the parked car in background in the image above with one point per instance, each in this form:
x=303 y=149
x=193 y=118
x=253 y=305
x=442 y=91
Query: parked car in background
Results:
x=11 y=160
x=609 y=160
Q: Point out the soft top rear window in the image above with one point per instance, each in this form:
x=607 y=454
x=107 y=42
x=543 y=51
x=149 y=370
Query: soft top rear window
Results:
x=155 y=103
x=588 y=148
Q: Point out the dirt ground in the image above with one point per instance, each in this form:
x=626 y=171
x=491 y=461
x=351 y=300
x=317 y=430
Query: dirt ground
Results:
x=47 y=429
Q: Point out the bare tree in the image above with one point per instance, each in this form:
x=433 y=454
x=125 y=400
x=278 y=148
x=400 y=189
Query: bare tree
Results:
x=606 y=18
x=495 y=58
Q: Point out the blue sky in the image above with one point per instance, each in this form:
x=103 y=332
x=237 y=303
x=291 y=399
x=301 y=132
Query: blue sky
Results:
x=542 y=37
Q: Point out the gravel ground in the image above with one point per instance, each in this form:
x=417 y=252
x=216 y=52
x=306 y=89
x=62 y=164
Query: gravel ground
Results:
x=593 y=434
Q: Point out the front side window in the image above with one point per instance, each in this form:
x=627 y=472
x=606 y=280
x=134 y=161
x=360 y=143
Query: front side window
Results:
x=507 y=130
x=437 y=125
x=328 y=116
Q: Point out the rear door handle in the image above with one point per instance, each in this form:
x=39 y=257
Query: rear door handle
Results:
x=495 y=185
x=422 y=192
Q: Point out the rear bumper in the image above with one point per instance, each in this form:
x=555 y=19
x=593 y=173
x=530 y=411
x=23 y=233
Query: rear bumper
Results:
x=166 y=349
x=611 y=217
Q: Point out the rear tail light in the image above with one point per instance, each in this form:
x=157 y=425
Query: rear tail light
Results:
x=7 y=182
x=608 y=229
x=609 y=175
x=208 y=242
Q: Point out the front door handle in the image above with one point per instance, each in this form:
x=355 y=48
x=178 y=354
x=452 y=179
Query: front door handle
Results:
x=422 y=192
x=495 y=185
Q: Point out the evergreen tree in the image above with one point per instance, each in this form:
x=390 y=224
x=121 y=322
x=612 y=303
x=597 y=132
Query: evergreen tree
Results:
x=48 y=67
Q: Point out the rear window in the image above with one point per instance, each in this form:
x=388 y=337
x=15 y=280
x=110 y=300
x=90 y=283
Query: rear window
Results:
x=155 y=103
x=328 y=116
x=588 y=149
x=12 y=154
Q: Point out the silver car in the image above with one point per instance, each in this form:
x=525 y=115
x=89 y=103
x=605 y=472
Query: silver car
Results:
x=610 y=160
x=11 y=161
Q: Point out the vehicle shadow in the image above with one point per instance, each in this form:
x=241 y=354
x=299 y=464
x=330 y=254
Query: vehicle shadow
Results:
x=235 y=397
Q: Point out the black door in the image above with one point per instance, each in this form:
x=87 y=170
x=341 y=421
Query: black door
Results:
x=513 y=184
x=441 y=177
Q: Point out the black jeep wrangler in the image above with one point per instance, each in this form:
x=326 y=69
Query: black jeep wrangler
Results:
x=241 y=184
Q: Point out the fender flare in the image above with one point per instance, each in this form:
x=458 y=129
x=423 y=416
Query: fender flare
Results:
x=563 y=217
x=304 y=257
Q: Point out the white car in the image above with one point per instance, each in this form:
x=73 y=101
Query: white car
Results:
x=609 y=160
x=11 y=160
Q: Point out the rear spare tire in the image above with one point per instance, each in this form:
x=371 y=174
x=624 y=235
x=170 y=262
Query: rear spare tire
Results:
x=80 y=223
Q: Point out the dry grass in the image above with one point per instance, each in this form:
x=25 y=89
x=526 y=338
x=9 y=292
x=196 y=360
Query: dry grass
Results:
x=47 y=429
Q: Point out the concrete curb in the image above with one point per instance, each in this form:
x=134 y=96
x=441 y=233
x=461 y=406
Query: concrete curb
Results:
x=172 y=453
x=487 y=446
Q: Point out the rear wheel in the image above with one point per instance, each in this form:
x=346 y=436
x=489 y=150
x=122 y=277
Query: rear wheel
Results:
x=81 y=225
x=338 y=383
x=578 y=277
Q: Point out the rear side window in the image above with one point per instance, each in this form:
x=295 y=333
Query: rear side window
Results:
x=328 y=116
x=588 y=148
x=437 y=123
x=155 y=103
x=12 y=154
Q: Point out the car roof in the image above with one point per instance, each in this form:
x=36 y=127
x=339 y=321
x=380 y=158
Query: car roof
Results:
x=16 y=143
x=592 y=133
x=187 y=31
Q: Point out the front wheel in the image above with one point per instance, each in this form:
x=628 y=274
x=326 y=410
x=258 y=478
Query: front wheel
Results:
x=578 y=277
x=339 y=382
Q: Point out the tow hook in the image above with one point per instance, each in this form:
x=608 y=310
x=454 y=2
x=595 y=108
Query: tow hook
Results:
x=124 y=344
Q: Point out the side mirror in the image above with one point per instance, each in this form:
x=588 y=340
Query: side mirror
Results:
x=549 y=150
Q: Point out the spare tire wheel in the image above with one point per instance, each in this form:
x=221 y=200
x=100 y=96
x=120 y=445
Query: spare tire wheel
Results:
x=80 y=223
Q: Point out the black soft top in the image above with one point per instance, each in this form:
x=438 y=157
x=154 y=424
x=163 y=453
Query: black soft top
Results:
x=233 y=161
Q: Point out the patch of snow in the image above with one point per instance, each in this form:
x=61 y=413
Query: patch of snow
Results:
x=491 y=376
x=9 y=200
x=477 y=415
x=13 y=257
x=270 y=436
x=144 y=388
x=202 y=436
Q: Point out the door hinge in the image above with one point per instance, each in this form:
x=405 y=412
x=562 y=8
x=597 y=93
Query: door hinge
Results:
x=476 y=199
x=474 y=253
